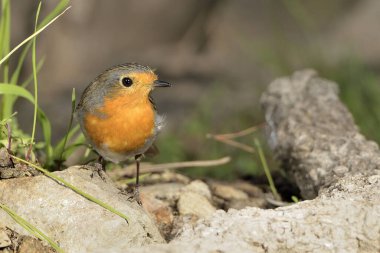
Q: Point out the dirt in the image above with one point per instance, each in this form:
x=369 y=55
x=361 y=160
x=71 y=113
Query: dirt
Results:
x=11 y=241
x=10 y=169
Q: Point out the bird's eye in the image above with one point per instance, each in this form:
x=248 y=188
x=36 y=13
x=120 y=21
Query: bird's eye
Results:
x=126 y=81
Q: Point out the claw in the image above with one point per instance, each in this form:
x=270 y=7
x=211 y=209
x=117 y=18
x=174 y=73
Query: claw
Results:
x=136 y=196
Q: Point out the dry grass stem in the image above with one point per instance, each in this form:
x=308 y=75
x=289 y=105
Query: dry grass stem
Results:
x=150 y=168
x=241 y=133
x=227 y=138
x=233 y=143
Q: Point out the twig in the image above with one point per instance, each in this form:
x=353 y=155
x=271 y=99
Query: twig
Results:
x=150 y=168
x=241 y=133
x=227 y=138
x=233 y=143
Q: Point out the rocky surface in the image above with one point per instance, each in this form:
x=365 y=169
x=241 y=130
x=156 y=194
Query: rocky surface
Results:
x=78 y=224
x=344 y=218
x=173 y=200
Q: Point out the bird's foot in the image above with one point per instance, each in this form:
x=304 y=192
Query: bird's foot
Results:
x=136 y=196
x=96 y=168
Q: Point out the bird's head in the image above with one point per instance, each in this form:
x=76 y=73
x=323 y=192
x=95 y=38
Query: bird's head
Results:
x=131 y=82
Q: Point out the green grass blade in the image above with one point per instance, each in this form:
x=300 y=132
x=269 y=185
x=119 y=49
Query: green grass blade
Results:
x=73 y=147
x=55 y=12
x=72 y=187
x=10 y=100
x=16 y=90
x=35 y=80
x=58 y=9
x=29 y=79
x=4 y=27
x=4 y=48
x=31 y=37
x=266 y=170
x=73 y=100
x=6 y=88
x=21 y=59
x=6 y=36
x=44 y=121
x=5 y=120
x=60 y=146
x=46 y=132
x=78 y=142
x=2 y=24
x=30 y=228
x=295 y=199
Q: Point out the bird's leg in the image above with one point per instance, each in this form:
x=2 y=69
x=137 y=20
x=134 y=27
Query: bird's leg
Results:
x=136 y=194
x=102 y=162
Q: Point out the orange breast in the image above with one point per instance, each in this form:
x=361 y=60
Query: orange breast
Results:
x=128 y=123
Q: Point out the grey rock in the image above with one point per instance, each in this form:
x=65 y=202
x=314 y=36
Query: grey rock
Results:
x=78 y=224
x=195 y=200
x=193 y=203
x=342 y=219
x=169 y=192
x=227 y=192
x=313 y=134
x=199 y=187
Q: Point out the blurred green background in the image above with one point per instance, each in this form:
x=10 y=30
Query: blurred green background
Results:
x=219 y=54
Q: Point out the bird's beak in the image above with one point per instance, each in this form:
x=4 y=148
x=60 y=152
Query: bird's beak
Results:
x=159 y=83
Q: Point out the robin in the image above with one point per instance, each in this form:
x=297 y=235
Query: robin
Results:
x=118 y=116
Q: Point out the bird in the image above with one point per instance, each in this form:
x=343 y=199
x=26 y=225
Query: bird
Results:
x=118 y=116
